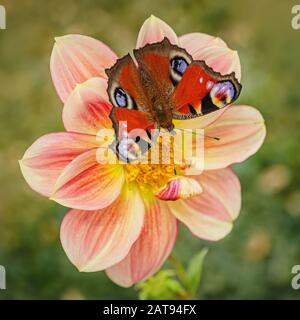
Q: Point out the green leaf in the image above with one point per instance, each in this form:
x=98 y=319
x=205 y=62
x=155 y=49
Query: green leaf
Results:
x=162 y=286
x=194 y=271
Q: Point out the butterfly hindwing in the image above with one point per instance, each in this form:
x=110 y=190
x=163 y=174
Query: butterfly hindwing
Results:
x=133 y=133
x=132 y=120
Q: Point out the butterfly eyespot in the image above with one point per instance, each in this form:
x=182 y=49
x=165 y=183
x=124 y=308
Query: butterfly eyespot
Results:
x=222 y=93
x=179 y=65
x=129 y=150
x=121 y=98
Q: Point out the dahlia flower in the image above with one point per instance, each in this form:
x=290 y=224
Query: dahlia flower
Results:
x=124 y=218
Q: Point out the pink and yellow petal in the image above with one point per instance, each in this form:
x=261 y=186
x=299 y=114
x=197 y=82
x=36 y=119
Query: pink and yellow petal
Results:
x=86 y=184
x=150 y=250
x=179 y=188
x=213 y=51
x=46 y=158
x=195 y=42
x=241 y=131
x=77 y=58
x=221 y=59
x=96 y=240
x=210 y=215
x=155 y=30
x=87 y=108
x=199 y=122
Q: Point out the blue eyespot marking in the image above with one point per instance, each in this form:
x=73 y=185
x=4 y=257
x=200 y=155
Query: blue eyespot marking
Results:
x=225 y=88
x=179 y=65
x=121 y=97
x=222 y=93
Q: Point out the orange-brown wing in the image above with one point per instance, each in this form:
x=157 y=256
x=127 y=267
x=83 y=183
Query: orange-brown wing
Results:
x=133 y=133
x=155 y=62
x=131 y=124
x=125 y=89
x=125 y=121
x=202 y=90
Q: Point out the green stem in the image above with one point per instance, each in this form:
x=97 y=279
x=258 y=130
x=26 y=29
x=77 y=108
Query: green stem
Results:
x=180 y=271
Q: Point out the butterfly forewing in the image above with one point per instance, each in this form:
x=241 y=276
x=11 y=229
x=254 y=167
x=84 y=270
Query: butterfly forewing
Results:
x=202 y=90
x=124 y=85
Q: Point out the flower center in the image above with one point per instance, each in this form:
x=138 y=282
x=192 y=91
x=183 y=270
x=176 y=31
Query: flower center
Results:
x=149 y=176
x=154 y=176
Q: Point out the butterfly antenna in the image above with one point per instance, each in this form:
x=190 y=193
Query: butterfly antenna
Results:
x=211 y=137
x=198 y=133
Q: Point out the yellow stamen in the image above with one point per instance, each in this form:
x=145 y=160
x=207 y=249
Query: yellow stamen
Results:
x=152 y=176
x=149 y=176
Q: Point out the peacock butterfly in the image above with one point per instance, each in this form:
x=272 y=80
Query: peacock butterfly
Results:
x=162 y=83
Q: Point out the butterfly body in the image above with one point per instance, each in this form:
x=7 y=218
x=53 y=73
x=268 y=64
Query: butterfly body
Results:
x=160 y=105
x=163 y=83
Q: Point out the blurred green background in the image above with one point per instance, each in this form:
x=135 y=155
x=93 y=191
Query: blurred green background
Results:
x=255 y=260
